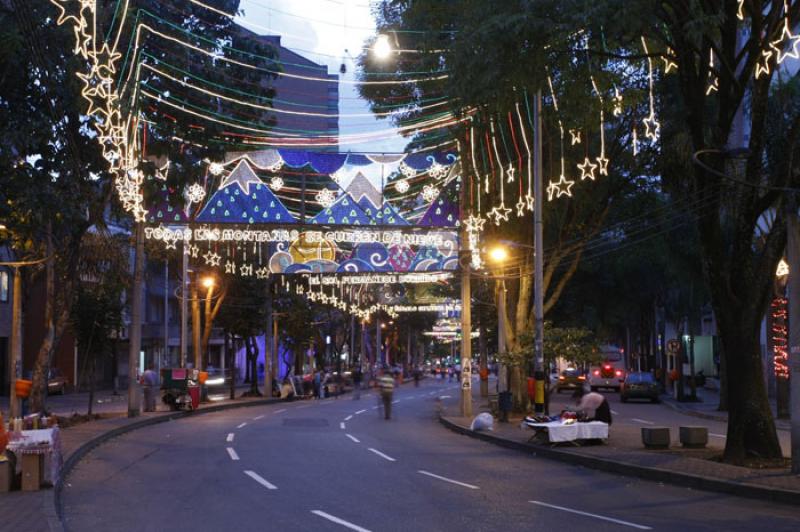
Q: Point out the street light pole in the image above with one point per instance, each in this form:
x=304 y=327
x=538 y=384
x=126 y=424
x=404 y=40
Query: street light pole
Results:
x=184 y=304
x=16 y=342
x=135 y=332
x=538 y=258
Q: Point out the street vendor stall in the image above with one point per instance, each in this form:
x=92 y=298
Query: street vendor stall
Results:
x=567 y=430
x=38 y=453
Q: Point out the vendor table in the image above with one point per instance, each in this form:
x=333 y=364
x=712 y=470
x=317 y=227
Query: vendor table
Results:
x=33 y=447
x=558 y=431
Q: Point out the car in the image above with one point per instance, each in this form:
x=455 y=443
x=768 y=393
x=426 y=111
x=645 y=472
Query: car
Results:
x=56 y=383
x=639 y=385
x=570 y=379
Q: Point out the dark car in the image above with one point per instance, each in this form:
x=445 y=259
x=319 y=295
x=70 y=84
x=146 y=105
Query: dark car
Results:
x=570 y=379
x=56 y=383
x=639 y=385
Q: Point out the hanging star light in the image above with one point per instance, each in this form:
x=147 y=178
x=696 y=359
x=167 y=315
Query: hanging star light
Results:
x=617 y=99
x=212 y=259
x=787 y=44
x=762 y=67
x=262 y=273
x=520 y=205
x=246 y=270
x=575 y=136
x=529 y=201
x=602 y=160
x=561 y=188
x=474 y=224
x=499 y=214
x=587 y=169
x=276 y=183
x=195 y=193
x=326 y=197
x=652 y=127
x=170 y=244
x=510 y=173
x=215 y=168
x=713 y=79
x=230 y=266
x=193 y=251
x=430 y=193
x=402 y=186
x=651 y=124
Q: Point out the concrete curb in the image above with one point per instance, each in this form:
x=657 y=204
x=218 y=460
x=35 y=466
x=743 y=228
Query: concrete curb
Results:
x=670 y=403
x=56 y=521
x=633 y=470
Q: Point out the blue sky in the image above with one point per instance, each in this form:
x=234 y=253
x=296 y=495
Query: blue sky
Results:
x=322 y=30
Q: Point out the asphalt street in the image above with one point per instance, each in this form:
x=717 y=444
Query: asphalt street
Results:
x=337 y=465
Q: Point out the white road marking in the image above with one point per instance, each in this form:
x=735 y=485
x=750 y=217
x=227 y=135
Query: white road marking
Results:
x=587 y=514
x=375 y=407
x=281 y=410
x=717 y=435
x=353 y=438
x=615 y=412
x=361 y=411
x=450 y=480
x=261 y=480
x=348 y=418
x=232 y=453
x=338 y=521
x=241 y=425
x=230 y=437
x=387 y=457
x=258 y=417
x=444 y=397
x=341 y=425
x=644 y=421
x=395 y=402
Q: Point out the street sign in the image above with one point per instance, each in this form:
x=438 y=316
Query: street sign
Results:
x=673 y=346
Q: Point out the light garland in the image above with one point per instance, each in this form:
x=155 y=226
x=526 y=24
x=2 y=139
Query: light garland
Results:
x=195 y=193
x=617 y=99
x=780 y=337
x=326 y=197
x=575 y=137
x=402 y=186
x=651 y=124
x=713 y=79
x=430 y=193
x=562 y=187
x=276 y=183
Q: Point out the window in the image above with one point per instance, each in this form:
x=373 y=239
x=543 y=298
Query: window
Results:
x=3 y=286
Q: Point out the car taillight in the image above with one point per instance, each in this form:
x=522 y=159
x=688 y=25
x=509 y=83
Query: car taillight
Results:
x=597 y=373
x=561 y=378
x=606 y=367
x=619 y=373
x=581 y=378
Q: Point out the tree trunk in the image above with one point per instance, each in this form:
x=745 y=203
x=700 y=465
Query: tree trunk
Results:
x=253 y=349
x=44 y=356
x=92 y=372
x=751 y=429
x=231 y=364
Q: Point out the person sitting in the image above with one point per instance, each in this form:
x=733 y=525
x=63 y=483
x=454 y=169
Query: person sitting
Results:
x=593 y=405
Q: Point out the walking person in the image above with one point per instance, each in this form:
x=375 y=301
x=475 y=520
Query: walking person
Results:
x=358 y=376
x=386 y=384
x=149 y=382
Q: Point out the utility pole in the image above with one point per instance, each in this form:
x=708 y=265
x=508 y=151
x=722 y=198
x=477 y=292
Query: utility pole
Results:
x=16 y=343
x=166 y=316
x=184 y=304
x=135 y=331
x=378 y=347
x=793 y=255
x=538 y=258
x=466 y=310
x=268 y=347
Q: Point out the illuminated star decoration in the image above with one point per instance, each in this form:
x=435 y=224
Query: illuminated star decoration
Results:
x=474 y=224
x=651 y=125
x=194 y=251
x=196 y=193
x=602 y=164
x=246 y=270
x=762 y=67
x=510 y=172
x=170 y=244
x=575 y=136
x=713 y=79
x=401 y=186
x=530 y=201
x=326 y=197
x=499 y=214
x=212 y=259
x=561 y=188
x=262 y=273
x=520 y=205
x=786 y=45
x=215 y=168
x=276 y=183
x=669 y=64
x=617 y=99
x=230 y=266
x=430 y=193
x=587 y=169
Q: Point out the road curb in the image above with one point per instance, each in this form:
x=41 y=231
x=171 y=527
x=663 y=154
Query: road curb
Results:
x=689 y=412
x=57 y=524
x=633 y=470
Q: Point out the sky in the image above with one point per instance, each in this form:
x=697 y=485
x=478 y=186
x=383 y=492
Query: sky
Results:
x=322 y=30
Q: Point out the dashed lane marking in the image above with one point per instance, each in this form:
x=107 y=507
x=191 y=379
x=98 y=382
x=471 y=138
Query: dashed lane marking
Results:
x=240 y=425
x=615 y=412
x=643 y=421
x=395 y=402
x=587 y=514
x=361 y=411
x=232 y=453
x=261 y=480
x=450 y=480
x=341 y=425
x=338 y=521
x=230 y=437
x=717 y=435
x=281 y=410
x=348 y=418
x=384 y=456
x=356 y=440
x=258 y=417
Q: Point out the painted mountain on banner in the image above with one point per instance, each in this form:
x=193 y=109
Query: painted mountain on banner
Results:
x=243 y=198
x=443 y=211
x=361 y=204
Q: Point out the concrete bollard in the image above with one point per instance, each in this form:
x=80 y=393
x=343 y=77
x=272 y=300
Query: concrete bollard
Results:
x=694 y=437
x=655 y=437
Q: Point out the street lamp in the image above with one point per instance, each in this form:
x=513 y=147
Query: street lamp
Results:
x=498 y=254
x=382 y=47
x=208 y=282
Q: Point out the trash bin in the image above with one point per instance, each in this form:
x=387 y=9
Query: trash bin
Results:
x=505 y=404
x=194 y=394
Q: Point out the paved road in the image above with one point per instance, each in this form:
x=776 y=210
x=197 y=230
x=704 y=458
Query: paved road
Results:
x=335 y=465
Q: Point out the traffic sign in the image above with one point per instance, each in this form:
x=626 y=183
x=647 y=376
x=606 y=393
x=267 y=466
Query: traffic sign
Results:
x=673 y=346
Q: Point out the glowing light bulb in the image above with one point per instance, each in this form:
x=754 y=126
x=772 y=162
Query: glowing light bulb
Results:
x=382 y=47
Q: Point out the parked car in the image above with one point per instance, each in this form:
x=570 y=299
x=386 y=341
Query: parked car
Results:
x=639 y=385
x=56 y=383
x=570 y=379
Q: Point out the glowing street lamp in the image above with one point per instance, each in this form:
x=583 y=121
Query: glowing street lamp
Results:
x=208 y=282
x=498 y=254
x=382 y=47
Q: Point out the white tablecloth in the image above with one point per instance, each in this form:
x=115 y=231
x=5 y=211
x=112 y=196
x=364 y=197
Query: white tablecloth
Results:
x=46 y=442
x=561 y=432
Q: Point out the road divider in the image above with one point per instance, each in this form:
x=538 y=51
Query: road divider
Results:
x=258 y=417
x=280 y=411
x=595 y=516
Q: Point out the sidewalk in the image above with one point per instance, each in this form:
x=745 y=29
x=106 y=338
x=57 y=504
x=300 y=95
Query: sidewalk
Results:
x=36 y=511
x=624 y=454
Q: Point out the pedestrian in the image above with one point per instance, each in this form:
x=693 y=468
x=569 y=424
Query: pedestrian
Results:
x=417 y=376
x=386 y=383
x=358 y=376
x=458 y=372
x=593 y=405
x=317 y=385
x=149 y=382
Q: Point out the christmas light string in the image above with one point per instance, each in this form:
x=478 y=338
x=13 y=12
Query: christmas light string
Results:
x=651 y=124
x=562 y=187
x=780 y=337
